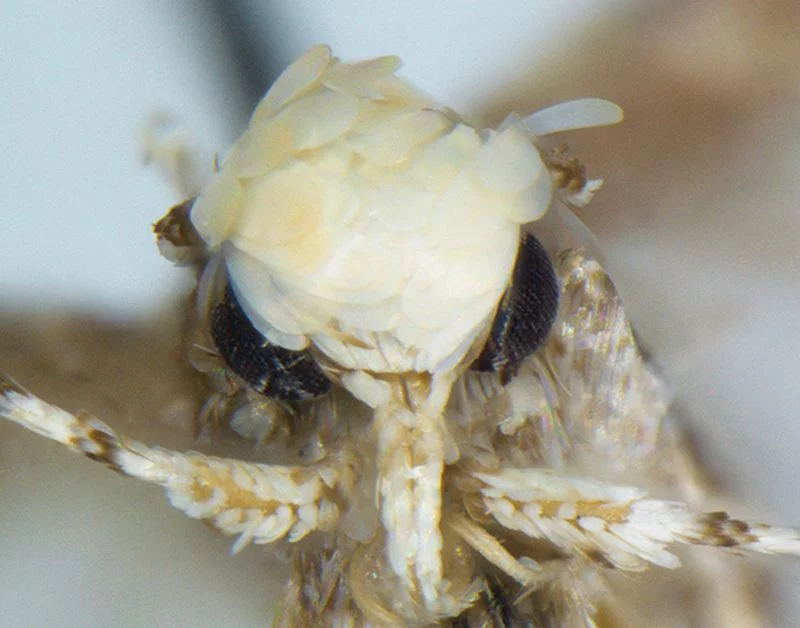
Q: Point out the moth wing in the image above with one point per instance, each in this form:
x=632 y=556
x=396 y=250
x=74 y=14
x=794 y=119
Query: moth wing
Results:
x=612 y=401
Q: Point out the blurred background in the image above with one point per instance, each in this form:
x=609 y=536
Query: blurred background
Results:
x=698 y=220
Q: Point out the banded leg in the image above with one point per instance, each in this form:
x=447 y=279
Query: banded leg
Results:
x=617 y=526
x=259 y=503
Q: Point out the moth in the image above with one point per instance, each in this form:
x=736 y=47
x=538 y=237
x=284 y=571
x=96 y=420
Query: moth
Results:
x=456 y=424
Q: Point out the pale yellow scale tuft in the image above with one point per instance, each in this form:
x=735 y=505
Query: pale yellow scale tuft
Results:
x=356 y=207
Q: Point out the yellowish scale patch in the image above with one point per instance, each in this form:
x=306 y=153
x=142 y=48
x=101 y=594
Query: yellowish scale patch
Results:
x=358 y=194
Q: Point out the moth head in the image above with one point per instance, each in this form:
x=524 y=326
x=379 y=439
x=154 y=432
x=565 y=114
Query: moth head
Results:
x=358 y=217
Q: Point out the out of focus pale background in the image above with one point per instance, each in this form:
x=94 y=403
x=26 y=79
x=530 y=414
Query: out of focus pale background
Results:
x=698 y=220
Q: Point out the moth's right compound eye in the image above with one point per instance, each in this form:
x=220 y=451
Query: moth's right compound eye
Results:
x=273 y=371
x=525 y=314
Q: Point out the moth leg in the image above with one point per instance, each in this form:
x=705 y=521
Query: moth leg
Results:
x=259 y=503
x=526 y=574
x=616 y=526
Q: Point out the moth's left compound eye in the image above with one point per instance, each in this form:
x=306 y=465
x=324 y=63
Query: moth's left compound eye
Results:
x=525 y=314
x=273 y=371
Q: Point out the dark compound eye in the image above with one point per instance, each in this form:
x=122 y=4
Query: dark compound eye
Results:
x=525 y=314
x=273 y=371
